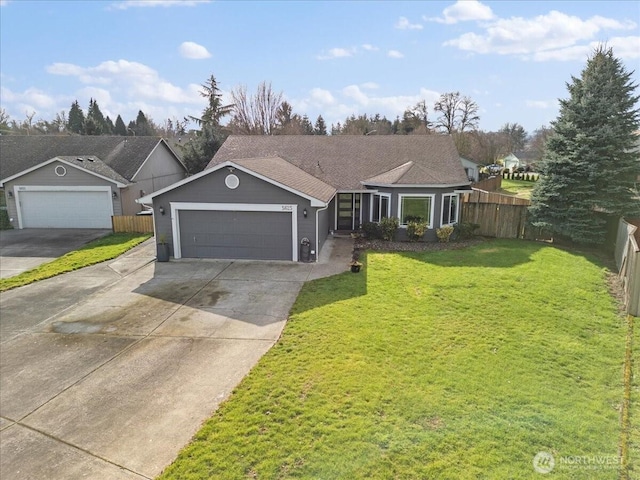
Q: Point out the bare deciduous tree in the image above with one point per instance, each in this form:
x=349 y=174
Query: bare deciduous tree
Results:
x=468 y=115
x=255 y=114
x=457 y=114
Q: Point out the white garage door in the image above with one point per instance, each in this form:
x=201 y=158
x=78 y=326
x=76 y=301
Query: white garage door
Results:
x=66 y=209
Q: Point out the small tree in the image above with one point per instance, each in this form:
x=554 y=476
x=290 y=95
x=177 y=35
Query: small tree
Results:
x=119 y=128
x=320 y=127
x=75 y=121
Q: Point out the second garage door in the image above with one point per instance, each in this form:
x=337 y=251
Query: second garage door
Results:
x=65 y=209
x=236 y=235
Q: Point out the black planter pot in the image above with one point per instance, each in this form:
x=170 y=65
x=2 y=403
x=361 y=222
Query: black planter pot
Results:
x=163 y=252
x=355 y=268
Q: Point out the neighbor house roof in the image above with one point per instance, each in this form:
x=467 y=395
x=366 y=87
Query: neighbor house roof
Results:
x=122 y=155
x=347 y=162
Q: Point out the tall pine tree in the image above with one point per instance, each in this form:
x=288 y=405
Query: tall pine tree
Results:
x=589 y=167
x=75 y=122
x=119 y=128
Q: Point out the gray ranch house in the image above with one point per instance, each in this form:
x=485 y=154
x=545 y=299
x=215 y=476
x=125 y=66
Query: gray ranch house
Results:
x=261 y=196
x=80 y=181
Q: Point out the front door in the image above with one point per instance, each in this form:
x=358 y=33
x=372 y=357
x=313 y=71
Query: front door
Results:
x=348 y=211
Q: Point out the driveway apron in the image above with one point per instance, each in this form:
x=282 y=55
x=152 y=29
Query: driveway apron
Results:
x=109 y=371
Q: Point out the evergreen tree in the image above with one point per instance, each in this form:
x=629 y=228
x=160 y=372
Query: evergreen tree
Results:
x=131 y=129
x=95 y=123
x=119 y=128
x=109 y=127
x=589 y=166
x=75 y=122
x=320 y=127
x=143 y=126
x=199 y=150
x=307 y=126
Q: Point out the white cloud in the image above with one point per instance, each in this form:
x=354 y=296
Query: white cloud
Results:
x=193 y=51
x=124 y=5
x=337 y=53
x=539 y=36
x=623 y=47
x=370 y=85
x=320 y=96
x=353 y=99
x=4 y=3
x=404 y=24
x=464 y=11
x=31 y=98
x=370 y=48
x=395 y=54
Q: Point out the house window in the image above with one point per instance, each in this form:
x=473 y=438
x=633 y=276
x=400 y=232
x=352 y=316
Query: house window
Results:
x=380 y=206
x=449 y=208
x=415 y=208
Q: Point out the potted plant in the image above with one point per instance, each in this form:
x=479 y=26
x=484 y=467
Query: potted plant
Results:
x=163 y=248
x=355 y=266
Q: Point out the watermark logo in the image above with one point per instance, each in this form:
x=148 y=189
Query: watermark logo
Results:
x=543 y=462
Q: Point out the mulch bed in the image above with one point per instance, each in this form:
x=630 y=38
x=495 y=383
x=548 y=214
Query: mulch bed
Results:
x=385 y=246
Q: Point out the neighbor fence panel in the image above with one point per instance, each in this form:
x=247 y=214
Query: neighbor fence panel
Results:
x=496 y=220
x=490 y=184
x=132 y=223
x=627 y=255
x=481 y=196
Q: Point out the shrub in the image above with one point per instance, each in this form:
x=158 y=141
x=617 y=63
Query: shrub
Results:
x=371 y=230
x=464 y=230
x=444 y=233
x=416 y=230
x=5 y=224
x=388 y=227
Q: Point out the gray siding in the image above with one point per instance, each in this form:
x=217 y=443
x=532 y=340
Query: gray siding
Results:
x=323 y=229
x=46 y=176
x=160 y=170
x=212 y=189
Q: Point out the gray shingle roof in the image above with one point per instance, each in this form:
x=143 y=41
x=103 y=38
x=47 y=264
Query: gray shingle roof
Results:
x=346 y=161
x=281 y=171
x=123 y=155
x=94 y=164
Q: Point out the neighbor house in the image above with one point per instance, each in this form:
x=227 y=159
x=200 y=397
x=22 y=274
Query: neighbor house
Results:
x=80 y=181
x=261 y=196
x=471 y=168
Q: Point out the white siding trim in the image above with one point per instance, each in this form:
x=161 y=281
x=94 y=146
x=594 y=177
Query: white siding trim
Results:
x=380 y=194
x=17 y=189
x=433 y=204
x=176 y=207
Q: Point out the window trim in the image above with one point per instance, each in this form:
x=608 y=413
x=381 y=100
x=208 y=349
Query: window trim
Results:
x=457 y=208
x=380 y=194
x=401 y=196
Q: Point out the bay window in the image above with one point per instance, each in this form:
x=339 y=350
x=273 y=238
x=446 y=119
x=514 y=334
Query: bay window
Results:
x=415 y=208
x=380 y=206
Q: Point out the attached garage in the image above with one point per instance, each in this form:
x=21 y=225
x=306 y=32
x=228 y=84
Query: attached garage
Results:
x=235 y=231
x=231 y=234
x=42 y=207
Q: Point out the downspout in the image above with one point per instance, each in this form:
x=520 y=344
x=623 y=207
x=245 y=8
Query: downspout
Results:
x=317 y=225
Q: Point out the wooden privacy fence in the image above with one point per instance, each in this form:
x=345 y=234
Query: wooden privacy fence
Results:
x=482 y=196
x=500 y=216
x=132 y=223
x=627 y=253
x=491 y=184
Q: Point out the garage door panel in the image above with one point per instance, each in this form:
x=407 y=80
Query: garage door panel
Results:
x=65 y=209
x=231 y=235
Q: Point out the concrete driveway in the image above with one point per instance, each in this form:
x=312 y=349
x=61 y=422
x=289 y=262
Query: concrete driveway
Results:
x=107 y=372
x=24 y=249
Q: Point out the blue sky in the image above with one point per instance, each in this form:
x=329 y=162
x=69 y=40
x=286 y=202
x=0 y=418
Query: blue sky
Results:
x=330 y=58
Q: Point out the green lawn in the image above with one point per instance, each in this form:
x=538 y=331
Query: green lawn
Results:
x=459 y=364
x=518 y=188
x=97 y=251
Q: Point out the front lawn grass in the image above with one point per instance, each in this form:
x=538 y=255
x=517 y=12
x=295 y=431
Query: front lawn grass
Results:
x=100 y=250
x=459 y=364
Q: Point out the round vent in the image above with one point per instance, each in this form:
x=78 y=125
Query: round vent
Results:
x=232 y=181
x=60 y=171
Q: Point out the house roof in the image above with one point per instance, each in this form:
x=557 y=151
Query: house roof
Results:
x=283 y=172
x=122 y=155
x=346 y=162
x=95 y=165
